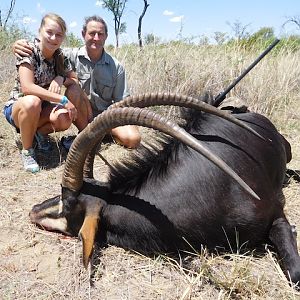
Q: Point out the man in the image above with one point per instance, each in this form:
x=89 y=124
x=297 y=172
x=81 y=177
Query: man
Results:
x=101 y=77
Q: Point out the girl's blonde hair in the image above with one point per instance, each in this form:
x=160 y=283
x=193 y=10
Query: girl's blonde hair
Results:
x=56 y=18
x=58 y=55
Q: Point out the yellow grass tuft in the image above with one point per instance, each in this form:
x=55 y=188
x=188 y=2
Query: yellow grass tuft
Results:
x=36 y=264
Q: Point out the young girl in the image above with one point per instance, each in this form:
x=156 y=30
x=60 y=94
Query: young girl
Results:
x=36 y=107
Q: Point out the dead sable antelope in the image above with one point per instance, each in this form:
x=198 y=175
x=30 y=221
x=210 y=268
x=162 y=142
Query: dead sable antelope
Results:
x=217 y=179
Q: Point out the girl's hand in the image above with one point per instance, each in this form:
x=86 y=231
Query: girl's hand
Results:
x=56 y=84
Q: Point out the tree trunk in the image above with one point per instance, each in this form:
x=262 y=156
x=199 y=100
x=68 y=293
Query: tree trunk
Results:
x=140 y=23
x=11 y=8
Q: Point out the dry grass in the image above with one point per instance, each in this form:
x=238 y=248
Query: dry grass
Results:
x=36 y=264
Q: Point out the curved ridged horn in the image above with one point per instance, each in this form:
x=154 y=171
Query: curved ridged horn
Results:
x=95 y=131
x=88 y=169
x=152 y=99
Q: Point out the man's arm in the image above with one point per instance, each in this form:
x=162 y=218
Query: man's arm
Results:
x=121 y=90
x=21 y=48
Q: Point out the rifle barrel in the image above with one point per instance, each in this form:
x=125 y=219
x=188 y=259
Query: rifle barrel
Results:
x=222 y=95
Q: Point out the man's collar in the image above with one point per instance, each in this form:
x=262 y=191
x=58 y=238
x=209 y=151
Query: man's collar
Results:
x=83 y=52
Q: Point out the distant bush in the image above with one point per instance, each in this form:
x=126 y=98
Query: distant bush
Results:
x=72 y=41
x=9 y=35
x=194 y=69
x=191 y=69
x=264 y=37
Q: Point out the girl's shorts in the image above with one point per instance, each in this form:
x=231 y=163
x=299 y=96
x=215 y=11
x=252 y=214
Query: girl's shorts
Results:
x=7 y=110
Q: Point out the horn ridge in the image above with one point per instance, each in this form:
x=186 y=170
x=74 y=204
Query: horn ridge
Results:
x=92 y=134
x=153 y=99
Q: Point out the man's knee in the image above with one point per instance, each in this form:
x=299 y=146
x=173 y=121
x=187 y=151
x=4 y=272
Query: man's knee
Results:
x=132 y=142
x=128 y=136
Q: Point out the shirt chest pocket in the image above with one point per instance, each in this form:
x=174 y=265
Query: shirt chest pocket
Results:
x=84 y=80
x=104 y=88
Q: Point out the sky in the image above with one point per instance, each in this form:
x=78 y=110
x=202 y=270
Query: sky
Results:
x=166 y=19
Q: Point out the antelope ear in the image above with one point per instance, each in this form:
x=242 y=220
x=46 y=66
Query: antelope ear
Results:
x=89 y=228
x=87 y=235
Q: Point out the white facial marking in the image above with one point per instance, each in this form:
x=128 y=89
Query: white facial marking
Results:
x=54 y=224
x=60 y=207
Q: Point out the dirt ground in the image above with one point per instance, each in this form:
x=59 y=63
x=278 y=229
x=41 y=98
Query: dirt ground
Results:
x=36 y=264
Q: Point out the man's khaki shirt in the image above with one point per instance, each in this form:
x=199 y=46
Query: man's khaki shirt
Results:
x=104 y=81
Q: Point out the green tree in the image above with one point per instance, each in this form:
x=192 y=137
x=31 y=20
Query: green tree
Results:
x=203 y=40
x=220 y=37
x=117 y=8
x=239 y=30
x=151 y=39
x=264 y=33
x=72 y=41
x=260 y=39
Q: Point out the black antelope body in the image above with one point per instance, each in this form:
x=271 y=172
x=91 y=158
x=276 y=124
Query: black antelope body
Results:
x=205 y=185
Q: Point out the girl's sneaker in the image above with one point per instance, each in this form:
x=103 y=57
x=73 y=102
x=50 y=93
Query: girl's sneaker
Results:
x=29 y=162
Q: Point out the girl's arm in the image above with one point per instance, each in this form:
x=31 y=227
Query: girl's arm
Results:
x=59 y=81
x=30 y=88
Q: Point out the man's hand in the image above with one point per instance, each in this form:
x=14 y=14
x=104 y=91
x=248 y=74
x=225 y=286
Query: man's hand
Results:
x=21 y=48
x=72 y=111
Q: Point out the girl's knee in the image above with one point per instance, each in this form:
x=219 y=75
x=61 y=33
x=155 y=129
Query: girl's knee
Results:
x=31 y=104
